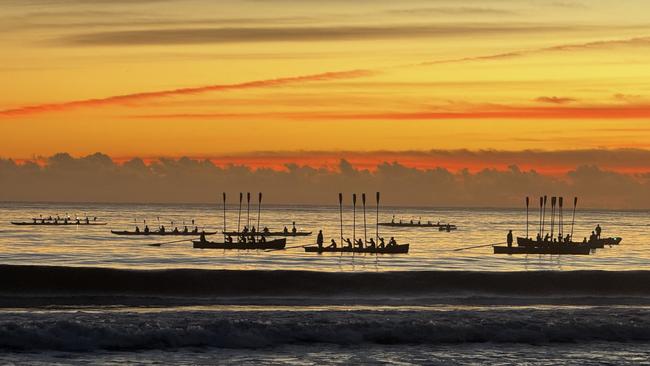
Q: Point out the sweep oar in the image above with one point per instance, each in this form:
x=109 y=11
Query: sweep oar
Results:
x=477 y=246
x=168 y=242
x=224 y=214
x=527 y=204
x=573 y=220
x=259 y=205
x=365 y=231
x=248 y=210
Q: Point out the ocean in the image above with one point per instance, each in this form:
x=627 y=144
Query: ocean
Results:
x=80 y=295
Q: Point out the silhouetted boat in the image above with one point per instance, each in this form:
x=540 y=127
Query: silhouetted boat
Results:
x=593 y=244
x=270 y=233
x=275 y=244
x=414 y=224
x=548 y=248
x=161 y=233
x=59 y=223
x=396 y=249
x=447 y=228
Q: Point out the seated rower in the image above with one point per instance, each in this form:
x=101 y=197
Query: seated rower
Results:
x=146 y=229
x=285 y=230
x=333 y=244
x=196 y=229
x=162 y=228
x=263 y=239
x=567 y=239
x=253 y=229
x=294 y=230
x=547 y=237
x=245 y=230
x=87 y=221
x=185 y=230
x=392 y=242
x=382 y=244
x=348 y=242
x=228 y=239
x=176 y=230
x=539 y=237
x=359 y=243
x=137 y=229
x=371 y=243
x=584 y=241
x=266 y=230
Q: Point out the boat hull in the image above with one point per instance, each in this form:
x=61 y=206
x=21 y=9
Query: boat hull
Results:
x=399 y=249
x=276 y=244
x=58 y=223
x=269 y=234
x=408 y=224
x=158 y=233
x=554 y=249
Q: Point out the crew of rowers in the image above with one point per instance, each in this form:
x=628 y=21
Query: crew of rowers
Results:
x=595 y=235
x=419 y=222
x=358 y=243
x=64 y=220
x=162 y=229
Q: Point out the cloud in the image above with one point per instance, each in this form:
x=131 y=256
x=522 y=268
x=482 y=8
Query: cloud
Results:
x=555 y=100
x=136 y=97
x=292 y=34
x=98 y=179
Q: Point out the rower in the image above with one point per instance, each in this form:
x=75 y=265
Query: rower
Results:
x=202 y=237
x=162 y=228
x=509 y=239
x=185 y=230
x=392 y=221
x=294 y=230
x=228 y=239
x=567 y=239
x=196 y=229
x=253 y=229
x=411 y=222
x=245 y=230
x=87 y=221
x=137 y=229
x=146 y=229
x=266 y=230
x=547 y=237
x=359 y=243
x=176 y=230
x=598 y=231
x=332 y=244
x=539 y=237
x=349 y=242
x=392 y=242
x=263 y=239
x=381 y=243
x=319 y=239
x=371 y=243
x=285 y=230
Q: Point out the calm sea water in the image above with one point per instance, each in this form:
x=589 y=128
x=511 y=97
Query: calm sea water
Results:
x=430 y=249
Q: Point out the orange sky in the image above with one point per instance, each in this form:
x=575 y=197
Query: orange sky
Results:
x=234 y=78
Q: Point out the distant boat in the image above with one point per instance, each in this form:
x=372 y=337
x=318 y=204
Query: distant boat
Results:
x=550 y=248
x=415 y=224
x=396 y=249
x=447 y=228
x=59 y=223
x=162 y=233
x=268 y=233
x=276 y=244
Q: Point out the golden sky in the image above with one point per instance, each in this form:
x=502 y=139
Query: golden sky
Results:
x=226 y=78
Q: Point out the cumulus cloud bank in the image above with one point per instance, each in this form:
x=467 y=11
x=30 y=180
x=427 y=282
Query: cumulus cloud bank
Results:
x=97 y=178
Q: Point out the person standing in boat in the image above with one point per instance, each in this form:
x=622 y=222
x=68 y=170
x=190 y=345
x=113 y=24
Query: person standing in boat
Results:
x=598 y=231
x=202 y=237
x=294 y=230
x=319 y=239
x=509 y=239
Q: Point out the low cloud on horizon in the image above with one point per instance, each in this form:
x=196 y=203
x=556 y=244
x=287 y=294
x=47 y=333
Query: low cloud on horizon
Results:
x=97 y=178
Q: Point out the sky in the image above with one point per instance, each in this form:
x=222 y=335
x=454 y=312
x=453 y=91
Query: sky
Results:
x=550 y=85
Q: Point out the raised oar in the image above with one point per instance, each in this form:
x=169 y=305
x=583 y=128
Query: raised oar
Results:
x=168 y=242
x=544 y=216
x=354 y=217
x=575 y=203
x=541 y=203
x=527 y=204
x=553 y=203
x=259 y=205
x=224 y=214
x=365 y=231
x=477 y=246
x=341 y=216
x=377 y=221
x=241 y=197
x=560 y=227
x=248 y=210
